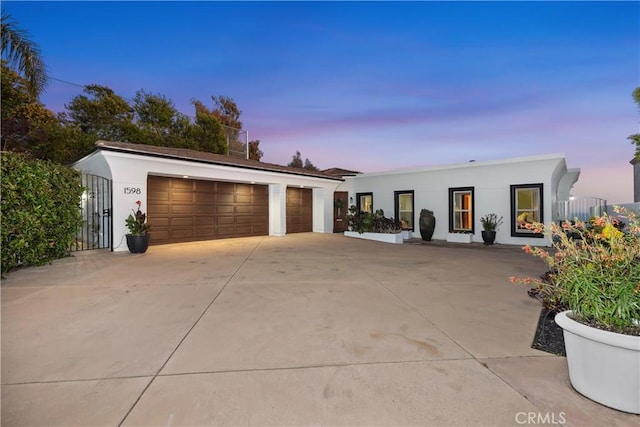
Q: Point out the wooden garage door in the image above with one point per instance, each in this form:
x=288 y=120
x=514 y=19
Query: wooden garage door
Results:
x=299 y=210
x=185 y=210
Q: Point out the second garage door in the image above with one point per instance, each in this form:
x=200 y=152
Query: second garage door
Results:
x=185 y=210
x=299 y=210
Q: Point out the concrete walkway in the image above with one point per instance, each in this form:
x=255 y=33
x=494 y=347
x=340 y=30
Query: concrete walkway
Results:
x=301 y=330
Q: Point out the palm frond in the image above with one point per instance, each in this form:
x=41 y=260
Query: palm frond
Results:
x=22 y=54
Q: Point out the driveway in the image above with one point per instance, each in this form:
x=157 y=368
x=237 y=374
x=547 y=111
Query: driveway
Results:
x=307 y=329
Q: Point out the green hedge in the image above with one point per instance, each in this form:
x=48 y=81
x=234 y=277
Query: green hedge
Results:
x=39 y=210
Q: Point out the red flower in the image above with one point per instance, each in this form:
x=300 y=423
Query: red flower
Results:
x=139 y=203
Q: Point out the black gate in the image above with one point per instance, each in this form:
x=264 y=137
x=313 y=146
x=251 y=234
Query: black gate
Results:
x=95 y=207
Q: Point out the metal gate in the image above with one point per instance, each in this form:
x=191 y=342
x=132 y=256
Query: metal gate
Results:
x=95 y=208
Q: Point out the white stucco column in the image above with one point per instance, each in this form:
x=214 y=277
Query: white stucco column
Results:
x=277 y=209
x=322 y=211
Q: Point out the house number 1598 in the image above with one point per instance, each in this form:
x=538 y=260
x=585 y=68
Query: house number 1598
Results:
x=132 y=190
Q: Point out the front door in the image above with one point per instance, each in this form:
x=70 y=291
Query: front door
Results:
x=340 y=208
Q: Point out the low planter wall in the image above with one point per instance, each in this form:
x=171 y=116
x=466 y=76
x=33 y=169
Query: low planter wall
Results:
x=395 y=238
x=459 y=237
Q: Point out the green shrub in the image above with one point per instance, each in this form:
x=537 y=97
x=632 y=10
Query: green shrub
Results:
x=365 y=222
x=39 y=210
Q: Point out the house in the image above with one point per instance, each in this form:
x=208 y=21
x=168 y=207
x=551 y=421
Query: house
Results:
x=190 y=195
x=520 y=190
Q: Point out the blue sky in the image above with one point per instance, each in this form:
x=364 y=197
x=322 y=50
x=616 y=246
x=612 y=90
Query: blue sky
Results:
x=373 y=86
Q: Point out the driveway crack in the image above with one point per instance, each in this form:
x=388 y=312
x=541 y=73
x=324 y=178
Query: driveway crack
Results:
x=195 y=323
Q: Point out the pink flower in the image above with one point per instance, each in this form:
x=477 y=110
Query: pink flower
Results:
x=139 y=203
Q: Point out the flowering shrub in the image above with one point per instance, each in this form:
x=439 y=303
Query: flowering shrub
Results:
x=137 y=224
x=594 y=271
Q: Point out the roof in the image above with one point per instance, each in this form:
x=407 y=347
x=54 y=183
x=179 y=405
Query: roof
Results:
x=204 y=157
x=340 y=172
x=470 y=164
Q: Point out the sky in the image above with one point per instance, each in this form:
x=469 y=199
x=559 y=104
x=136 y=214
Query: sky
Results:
x=373 y=86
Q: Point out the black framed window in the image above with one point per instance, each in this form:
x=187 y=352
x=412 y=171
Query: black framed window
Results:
x=404 y=208
x=364 y=202
x=461 y=210
x=526 y=208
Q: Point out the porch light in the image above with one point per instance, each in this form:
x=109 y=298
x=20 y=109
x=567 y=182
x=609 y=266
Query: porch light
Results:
x=185 y=176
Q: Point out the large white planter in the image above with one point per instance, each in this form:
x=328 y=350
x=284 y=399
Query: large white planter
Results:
x=459 y=237
x=603 y=366
x=380 y=237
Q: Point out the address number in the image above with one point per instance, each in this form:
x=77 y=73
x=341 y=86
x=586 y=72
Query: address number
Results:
x=132 y=190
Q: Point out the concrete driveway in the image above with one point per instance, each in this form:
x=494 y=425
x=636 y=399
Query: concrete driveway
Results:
x=307 y=329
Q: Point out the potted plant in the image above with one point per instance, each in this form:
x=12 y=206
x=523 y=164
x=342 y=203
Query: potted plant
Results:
x=595 y=272
x=138 y=237
x=490 y=223
x=373 y=226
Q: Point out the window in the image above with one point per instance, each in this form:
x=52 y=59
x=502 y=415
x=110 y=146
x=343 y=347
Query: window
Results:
x=526 y=208
x=461 y=210
x=404 y=208
x=365 y=202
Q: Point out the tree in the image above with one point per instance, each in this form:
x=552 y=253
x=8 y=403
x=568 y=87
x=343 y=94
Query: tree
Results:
x=226 y=110
x=635 y=139
x=255 y=153
x=103 y=114
x=207 y=132
x=27 y=126
x=23 y=55
x=309 y=166
x=296 y=162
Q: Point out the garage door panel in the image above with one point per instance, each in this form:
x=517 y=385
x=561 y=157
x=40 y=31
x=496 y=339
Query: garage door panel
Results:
x=158 y=208
x=183 y=210
x=181 y=222
x=162 y=196
x=225 y=198
x=225 y=188
x=182 y=185
x=243 y=229
x=225 y=220
x=227 y=231
x=204 y=198
x=243 y=198
x=205 y=220
x=244 y=210
x=181 y=197
x=160 y=222
x=225 y=210
x=299 y=207
x=181 y=234
x=260 y=210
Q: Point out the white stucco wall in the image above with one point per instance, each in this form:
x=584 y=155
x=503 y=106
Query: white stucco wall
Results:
x=492 y=194
x=129 y=183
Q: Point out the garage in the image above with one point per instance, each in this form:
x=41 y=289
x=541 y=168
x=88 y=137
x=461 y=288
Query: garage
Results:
x=299 y=210
x=186 y=210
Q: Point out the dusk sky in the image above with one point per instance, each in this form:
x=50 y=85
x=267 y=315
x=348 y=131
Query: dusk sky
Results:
x=373 y=86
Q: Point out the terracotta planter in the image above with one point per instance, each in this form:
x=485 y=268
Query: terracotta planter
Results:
x=138 y=244
x=603 y=366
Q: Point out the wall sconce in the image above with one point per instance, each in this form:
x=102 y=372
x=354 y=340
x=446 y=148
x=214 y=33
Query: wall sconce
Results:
x=351 y=200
